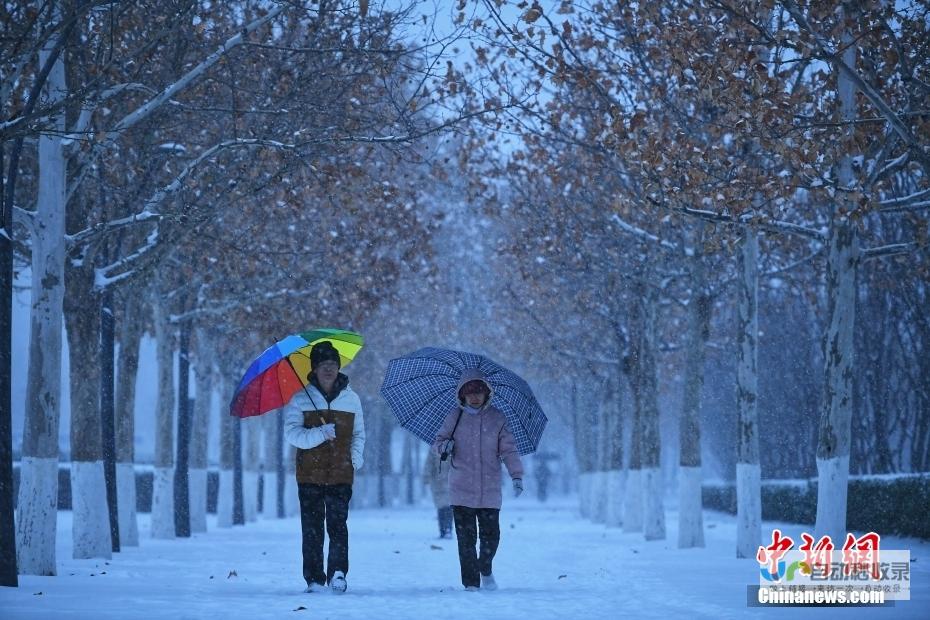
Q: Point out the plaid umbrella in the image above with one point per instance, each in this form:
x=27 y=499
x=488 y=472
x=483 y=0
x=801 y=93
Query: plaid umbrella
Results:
x=420 y=388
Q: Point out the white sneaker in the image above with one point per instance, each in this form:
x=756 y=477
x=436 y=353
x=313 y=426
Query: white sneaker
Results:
x=338 y=582
x=488 y=583
x=315 y=587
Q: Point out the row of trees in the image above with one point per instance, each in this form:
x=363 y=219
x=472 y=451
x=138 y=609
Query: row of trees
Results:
x=674 y=157
x=216 y=175
x=663 y=197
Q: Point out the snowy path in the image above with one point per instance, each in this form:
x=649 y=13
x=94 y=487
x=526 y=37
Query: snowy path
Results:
x=551 y=564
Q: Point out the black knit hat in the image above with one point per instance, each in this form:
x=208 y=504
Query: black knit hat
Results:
x=323 y=352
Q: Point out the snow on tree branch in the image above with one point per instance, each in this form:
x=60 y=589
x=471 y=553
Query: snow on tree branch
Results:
x=150 y=106
x=891 y=249
x=913 y=202
x=149 y=210
x=642 y=234
x=864 y=87
x=777 y=226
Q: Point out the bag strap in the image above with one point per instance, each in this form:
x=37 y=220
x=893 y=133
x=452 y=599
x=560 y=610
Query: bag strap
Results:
x=452 y=436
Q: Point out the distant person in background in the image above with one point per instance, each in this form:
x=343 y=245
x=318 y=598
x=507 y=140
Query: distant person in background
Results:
x=474 y=439
x=543 y=473
x=324 y=422
x=436 y=475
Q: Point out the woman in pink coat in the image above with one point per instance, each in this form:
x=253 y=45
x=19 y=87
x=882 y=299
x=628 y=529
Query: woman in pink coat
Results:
x=474 y=439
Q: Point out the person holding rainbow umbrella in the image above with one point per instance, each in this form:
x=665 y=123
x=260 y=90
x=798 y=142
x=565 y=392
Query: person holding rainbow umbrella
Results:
x=323 y=419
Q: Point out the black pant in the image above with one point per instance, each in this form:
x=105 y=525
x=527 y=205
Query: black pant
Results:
x=330 y=503
x=472 y=525
x=444 y=515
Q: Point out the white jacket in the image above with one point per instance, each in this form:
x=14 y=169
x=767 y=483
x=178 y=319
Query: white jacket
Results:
x=307 y=438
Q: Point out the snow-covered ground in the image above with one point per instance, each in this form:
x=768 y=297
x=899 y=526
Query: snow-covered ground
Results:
x=551 y=564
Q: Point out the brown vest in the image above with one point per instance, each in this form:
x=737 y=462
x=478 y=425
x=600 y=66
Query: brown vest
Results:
x=331 y=461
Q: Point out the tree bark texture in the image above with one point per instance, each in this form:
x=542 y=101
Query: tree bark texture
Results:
x=748 y=490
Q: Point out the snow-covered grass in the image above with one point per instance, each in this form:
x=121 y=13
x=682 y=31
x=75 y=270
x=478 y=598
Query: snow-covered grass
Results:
x=551 y=564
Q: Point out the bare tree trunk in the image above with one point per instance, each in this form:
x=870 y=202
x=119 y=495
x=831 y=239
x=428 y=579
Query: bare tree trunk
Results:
x=690 y=514
x=748 y=472
x=163 y=479
x=653 y=489
x=616 y=477
x=107 y=353
x=224 y=500
x=200 y=426
x=91 y=530
x=251 y=468
x=600 y=449
x=182 y=512
x=585 y=422
x=843 y=261
x=38 y=483
x=385 y=467
x=8 y=571
x=291 y=503
x=130 y=334
x=579 y=452
x=633 y=499
x=269 y=434
x=408 y=470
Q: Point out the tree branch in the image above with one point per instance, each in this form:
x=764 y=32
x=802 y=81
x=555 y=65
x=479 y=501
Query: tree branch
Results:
x=892 y=249
x=149 y=213
x=644 y=235
x=864 y=87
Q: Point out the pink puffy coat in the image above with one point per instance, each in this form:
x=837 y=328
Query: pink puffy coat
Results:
x=482 y=441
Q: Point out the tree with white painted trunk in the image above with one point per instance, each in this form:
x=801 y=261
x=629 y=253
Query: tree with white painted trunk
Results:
x=38 y=489
x=608 y=411
x=91 y=531
x=269 y=471
x=225 y=498
x=584 y=419
x=130 y=320
x=748 y=472
x=91 y=528
x=200 y=425
x=163 y=475
x=601 y=439
x=251 y=465
x=616 y=476
x=633 y=498
x=652 y=484
x=690 y=510
x=843 y=260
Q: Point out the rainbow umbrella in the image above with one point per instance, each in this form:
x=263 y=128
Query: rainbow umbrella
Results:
x=282 y=369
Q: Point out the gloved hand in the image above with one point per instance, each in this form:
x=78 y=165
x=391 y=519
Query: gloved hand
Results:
x=517 y=487
x=445 y=449
x=329 y=431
